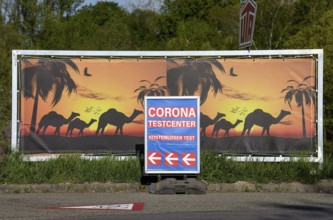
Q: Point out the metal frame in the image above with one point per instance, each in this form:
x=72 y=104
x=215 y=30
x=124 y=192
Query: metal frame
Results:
x=316 y=53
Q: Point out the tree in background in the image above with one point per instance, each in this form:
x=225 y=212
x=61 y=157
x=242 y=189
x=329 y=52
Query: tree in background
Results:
x=320 y=35
x=99 y=27
x=9 y=39
x=62 y=9
x=189 y=25
x=145 y=30
x=71 y=25
x=273 y=23
x=24 y=16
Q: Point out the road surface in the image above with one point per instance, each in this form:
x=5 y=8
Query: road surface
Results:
x=166 y=207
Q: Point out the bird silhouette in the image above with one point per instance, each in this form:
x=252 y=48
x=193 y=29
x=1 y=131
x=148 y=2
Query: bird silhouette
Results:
x=86 y=72
x=232 y=72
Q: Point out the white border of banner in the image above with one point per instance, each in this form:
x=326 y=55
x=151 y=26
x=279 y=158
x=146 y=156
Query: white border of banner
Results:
x=318 y=54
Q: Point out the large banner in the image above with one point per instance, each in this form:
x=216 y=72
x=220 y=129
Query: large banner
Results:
x=248 y=106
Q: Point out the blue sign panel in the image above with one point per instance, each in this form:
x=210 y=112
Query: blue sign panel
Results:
x=172 y=135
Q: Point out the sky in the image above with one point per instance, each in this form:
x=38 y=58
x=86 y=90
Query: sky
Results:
x=128 y=4
x=258 y=85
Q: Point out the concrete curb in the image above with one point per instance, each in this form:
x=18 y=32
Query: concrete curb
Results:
x=70 y=188
x=323 y=186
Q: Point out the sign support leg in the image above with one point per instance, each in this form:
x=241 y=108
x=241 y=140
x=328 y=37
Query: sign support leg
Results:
x=173 y=185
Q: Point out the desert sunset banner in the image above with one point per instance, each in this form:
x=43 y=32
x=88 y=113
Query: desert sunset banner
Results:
x=248 y=106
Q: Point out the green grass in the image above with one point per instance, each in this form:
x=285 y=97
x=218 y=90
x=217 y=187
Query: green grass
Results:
x=68 y=169
x=73 y=169
x=220 y=169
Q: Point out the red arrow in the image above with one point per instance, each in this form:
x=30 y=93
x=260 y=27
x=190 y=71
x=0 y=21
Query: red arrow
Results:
x=154 y=158
x=188 y=159
x=171 y=159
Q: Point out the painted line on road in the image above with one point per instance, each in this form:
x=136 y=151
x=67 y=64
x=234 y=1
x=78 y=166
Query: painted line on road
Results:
x=121 y=207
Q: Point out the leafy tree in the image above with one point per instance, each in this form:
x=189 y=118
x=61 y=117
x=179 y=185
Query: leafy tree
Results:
x=191 y=35
x=153 y=89
x=309 y=11
x=62 y=9
x=319 y=34
x=54 y=14
x=303 y=94
x=178 y=17
x=98 y=27
x=24 y=15
x=186 y=9
x=9 y=39
x=179 y=25
x=194 y=76
x=273 y=23
x=225 y=22
x=45 y=77
x=52 y=34
x=144 y=28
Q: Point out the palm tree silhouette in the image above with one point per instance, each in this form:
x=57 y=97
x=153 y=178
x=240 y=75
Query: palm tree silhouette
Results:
x=153 y=89
x=303 y=93
x=46 y=76
x=194 y=76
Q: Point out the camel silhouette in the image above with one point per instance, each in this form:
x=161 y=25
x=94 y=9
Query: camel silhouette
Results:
x=262 y=119
x=224 y=125
x=118 y=119
x=78 y=124
x=205 y=121
x=55 y=120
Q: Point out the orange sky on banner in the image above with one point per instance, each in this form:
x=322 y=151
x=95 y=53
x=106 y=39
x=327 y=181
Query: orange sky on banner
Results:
x=258 y=85
x=111 y=85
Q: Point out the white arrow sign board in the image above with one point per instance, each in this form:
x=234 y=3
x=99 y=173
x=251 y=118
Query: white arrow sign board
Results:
x=187 y=159
x=153 y=158
x=170 y=158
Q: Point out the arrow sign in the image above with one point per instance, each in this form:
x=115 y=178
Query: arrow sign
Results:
x=247 y=18
x=120 y=207
x=188 y=159
x=172 y=135
x=171 y=159
x=154 y=158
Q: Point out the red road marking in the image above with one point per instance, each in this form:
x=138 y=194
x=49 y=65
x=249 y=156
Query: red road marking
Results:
x=120 y=207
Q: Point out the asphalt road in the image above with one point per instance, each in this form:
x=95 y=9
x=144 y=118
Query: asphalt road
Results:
x=166 y=207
